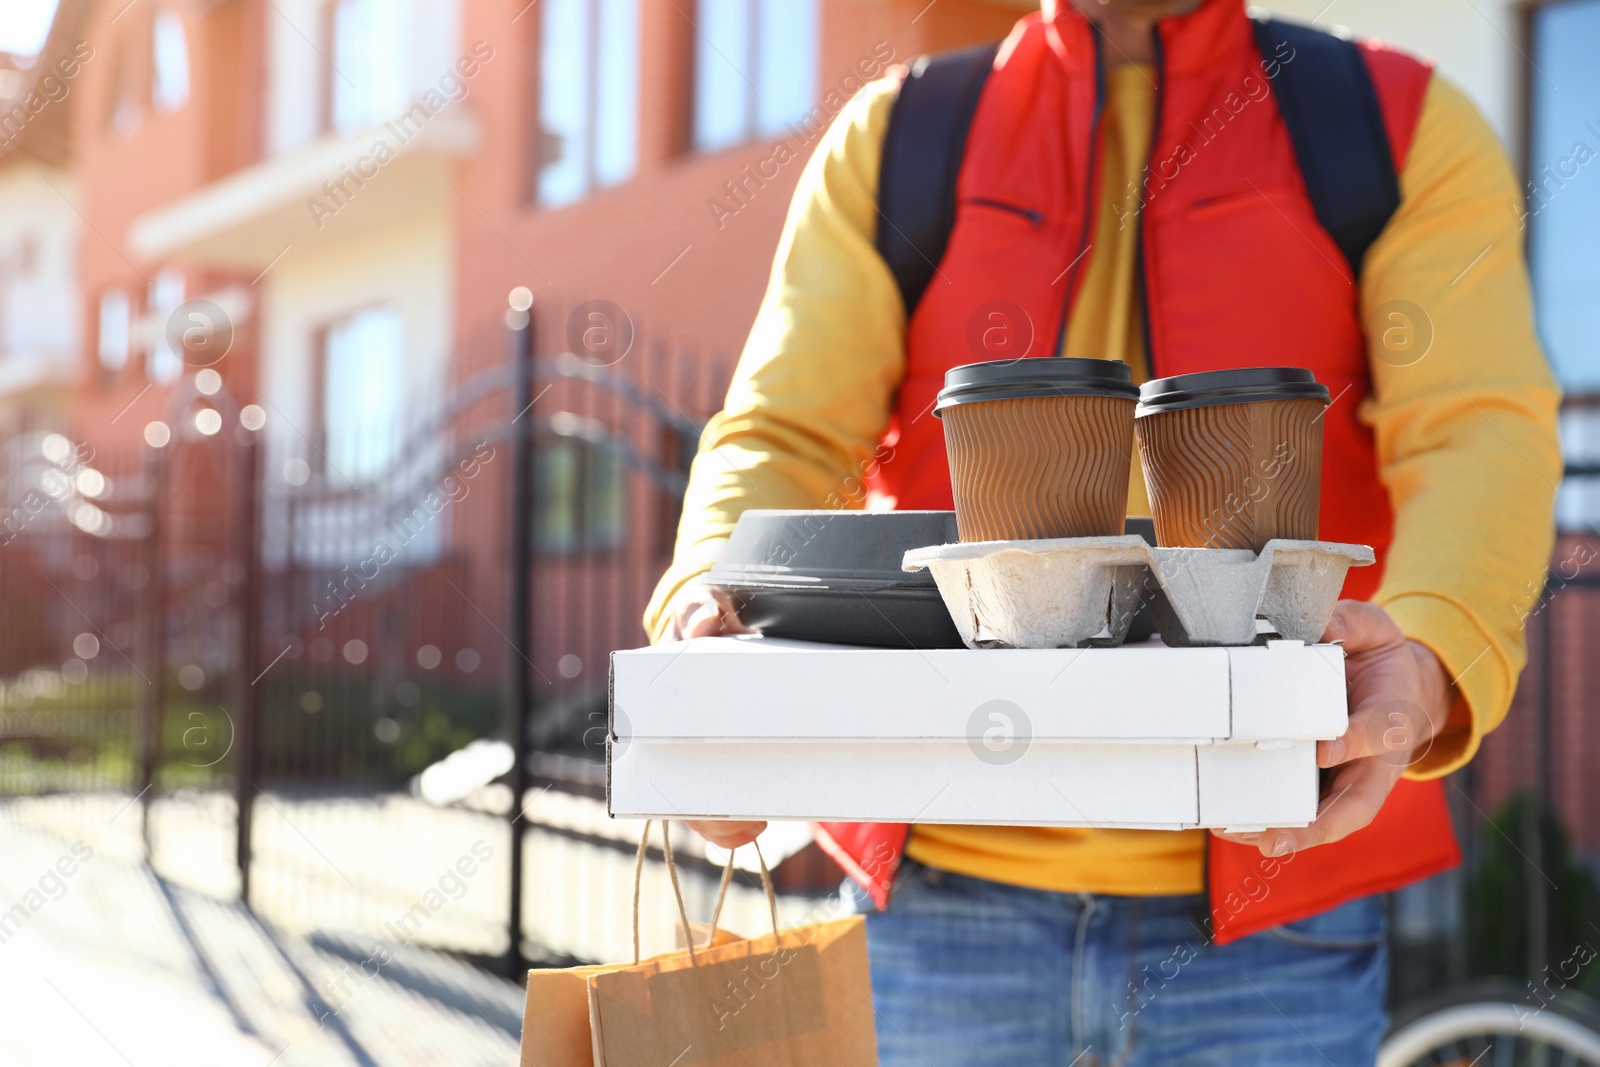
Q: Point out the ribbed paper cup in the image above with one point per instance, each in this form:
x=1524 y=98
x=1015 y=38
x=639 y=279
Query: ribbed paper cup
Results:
x=1039 y=447
x=1232 y=459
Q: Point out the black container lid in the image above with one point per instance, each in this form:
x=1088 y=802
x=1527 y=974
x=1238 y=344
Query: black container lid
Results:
x=1214 y=387
x=1017 y=379
x=840 y=549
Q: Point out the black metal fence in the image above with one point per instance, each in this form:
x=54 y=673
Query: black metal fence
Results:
x=244 y=646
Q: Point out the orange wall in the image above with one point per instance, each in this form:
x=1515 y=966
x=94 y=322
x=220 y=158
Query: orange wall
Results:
x=616 y=243
x=169 y=156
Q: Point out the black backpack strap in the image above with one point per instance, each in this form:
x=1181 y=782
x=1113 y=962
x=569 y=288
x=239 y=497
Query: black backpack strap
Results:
x=1330 y=106
x=922 y=152
x=1325 y=95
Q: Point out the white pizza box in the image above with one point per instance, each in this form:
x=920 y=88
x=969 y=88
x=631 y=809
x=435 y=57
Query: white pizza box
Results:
x=1137 y=736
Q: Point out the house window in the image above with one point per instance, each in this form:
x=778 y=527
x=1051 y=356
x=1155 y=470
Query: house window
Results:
x=371 y=63
x=123 y=113
x=1563 y=198
x=363 y=373
x=1563 y=215
x=588 y=97
x=162 y=364
x=755 y=69
x=115 y=323
x=578 y=494
x=170 y=88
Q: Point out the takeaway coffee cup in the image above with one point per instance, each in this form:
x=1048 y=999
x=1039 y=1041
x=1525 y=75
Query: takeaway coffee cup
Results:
x=1039 y=447
x=1232 y=458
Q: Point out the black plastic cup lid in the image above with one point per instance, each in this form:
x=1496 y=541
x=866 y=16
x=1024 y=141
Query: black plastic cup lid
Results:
x=1019 y=379
x=1215 y=387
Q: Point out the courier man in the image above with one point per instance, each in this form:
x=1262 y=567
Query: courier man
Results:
x=1159 y=182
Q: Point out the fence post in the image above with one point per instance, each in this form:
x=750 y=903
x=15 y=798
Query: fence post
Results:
x=247 y=702
x=1541 y=809
x=152 y=641
x=519 y=688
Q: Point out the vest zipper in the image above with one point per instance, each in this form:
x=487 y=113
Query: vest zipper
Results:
x=1035 y=217
x=1091 y=172
x=1144 y=203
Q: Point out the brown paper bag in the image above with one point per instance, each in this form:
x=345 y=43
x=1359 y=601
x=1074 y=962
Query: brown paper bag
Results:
x=795 y=998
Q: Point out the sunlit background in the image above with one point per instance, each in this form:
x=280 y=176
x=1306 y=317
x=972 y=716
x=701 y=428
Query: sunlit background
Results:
x=352 y=356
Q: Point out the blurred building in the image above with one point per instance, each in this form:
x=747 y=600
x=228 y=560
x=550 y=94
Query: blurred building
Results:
x=301 y=222
x=39 y=230
x=276 y=242
x=341 y=196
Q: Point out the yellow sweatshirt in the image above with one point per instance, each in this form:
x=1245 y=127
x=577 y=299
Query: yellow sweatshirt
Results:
x=1466 y=435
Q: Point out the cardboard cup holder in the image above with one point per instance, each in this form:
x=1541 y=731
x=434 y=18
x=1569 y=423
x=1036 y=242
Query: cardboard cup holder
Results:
x=1081 y=592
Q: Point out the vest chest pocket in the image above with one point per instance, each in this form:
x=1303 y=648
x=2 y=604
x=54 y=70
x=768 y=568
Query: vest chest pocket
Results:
x=1033 y=217
x=1249 y=278
x=1240 y=200
x=992 y=296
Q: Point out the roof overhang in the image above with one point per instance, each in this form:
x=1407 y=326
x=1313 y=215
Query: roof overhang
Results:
x=331 y=189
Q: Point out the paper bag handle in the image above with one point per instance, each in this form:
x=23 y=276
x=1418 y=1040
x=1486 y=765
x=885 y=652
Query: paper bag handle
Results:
x=722 y=892
x=677 y=891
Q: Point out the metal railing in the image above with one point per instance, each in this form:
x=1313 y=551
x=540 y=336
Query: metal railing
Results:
x=239 y=658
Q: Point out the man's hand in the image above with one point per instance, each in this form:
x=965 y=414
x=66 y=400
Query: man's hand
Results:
x=699 y=611
x=1400 y=697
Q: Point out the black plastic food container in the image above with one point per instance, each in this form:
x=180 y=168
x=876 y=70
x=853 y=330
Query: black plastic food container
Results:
x=835 y=576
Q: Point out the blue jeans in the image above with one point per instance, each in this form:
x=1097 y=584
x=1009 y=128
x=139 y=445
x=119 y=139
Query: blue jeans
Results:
x=970 y=972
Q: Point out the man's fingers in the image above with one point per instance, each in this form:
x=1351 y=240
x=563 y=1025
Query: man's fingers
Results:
x=727 y=834
x=704 y=612
x=1355 y=795
x=1361 y=626
x=704 y=620
x=729 y=613
x=1390 y=731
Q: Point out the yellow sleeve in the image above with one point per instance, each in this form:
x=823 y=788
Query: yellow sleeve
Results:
x=1464 y=410
x=811 y=395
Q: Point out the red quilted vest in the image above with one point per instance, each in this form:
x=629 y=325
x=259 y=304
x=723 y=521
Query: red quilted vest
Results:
x=1236 y=272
